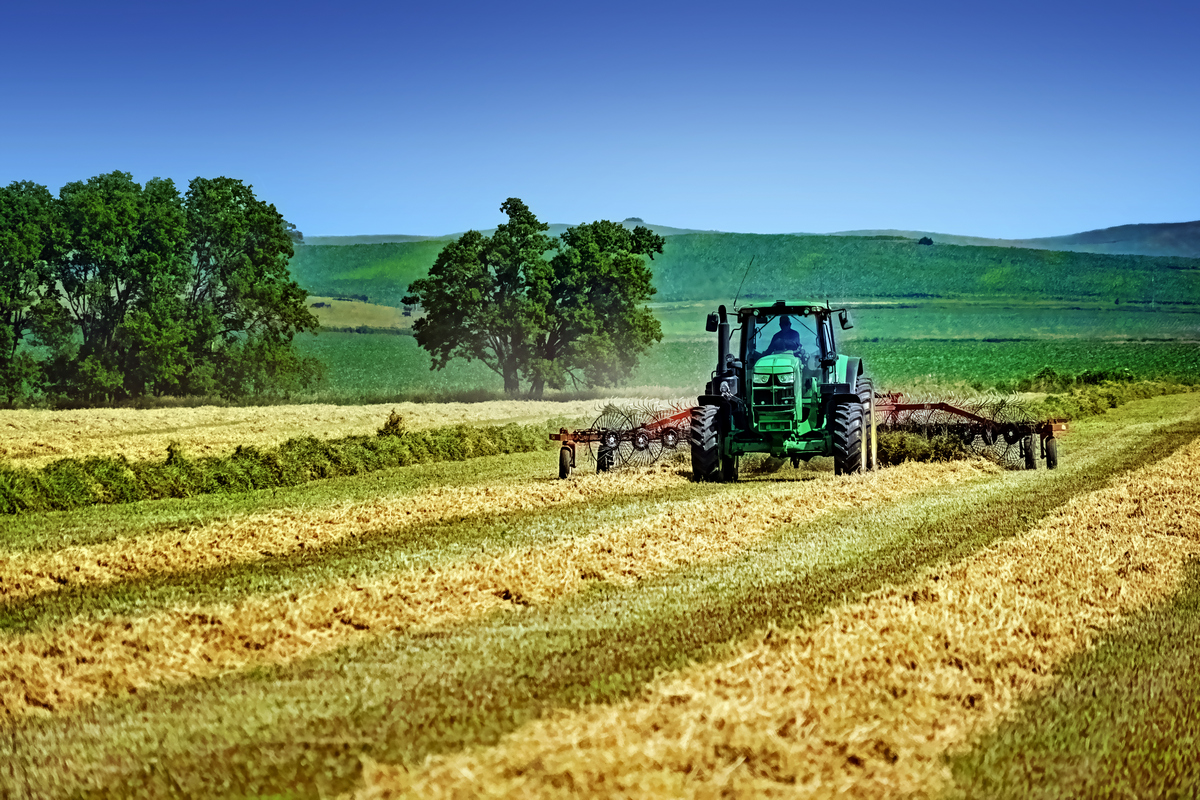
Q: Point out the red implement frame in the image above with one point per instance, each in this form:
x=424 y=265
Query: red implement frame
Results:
x=890 y=407
x=611 y=440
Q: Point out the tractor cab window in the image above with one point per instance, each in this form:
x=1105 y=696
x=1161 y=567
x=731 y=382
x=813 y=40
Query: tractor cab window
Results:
x=784 y=333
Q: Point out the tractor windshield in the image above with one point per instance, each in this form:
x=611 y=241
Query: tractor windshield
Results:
x=783 y=333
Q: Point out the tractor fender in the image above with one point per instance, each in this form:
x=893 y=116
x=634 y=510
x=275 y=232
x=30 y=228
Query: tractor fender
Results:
x=854 y=368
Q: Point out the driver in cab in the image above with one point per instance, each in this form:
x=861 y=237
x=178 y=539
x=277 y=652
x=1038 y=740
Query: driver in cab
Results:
x=786 y=341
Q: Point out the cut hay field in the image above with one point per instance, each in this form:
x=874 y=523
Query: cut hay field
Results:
x=479 y=628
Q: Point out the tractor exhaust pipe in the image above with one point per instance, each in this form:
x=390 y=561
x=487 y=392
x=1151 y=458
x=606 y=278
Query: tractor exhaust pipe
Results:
x=722 y=341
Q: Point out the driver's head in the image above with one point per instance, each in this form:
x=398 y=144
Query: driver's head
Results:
x=785 y=323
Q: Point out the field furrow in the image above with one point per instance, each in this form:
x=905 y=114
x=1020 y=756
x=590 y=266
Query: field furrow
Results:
x=867 y=699
x=55 y=669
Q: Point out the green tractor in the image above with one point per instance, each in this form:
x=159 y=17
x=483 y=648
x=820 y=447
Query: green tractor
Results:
x=786 y=392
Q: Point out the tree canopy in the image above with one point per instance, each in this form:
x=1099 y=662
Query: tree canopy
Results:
x=541 y=311
x=126 y=290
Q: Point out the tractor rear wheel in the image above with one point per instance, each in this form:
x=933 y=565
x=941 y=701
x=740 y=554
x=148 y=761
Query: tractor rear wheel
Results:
x=849 y=450
x=866 y=396
x=705 y=439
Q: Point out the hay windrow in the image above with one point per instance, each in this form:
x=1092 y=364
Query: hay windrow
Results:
x=35 y=438
x=52 y=670
x=255 y=537
x=867 y=699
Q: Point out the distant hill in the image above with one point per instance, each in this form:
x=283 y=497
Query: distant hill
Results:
x=1179 y=239
x=556 y=229
x=709 y=266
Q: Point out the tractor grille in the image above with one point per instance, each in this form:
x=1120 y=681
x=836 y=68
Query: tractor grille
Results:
x=774 y=394
x=774 y=405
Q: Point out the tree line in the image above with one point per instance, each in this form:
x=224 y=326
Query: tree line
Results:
x=114 y=290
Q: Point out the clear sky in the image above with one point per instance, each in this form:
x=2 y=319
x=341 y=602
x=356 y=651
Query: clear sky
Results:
x=1006 y=119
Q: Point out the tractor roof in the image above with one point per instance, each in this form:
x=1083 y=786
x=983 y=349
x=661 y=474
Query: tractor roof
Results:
x=783 y=306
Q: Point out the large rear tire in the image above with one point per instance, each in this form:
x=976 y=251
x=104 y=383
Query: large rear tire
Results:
x=849 y=451
x=705 y=439
x=866 y=396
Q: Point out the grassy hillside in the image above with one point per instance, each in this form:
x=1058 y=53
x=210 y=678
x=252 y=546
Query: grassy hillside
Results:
x=703 y=266
x=1172 y=239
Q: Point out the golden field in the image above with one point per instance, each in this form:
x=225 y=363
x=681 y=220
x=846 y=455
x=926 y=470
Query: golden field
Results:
x=33 y=438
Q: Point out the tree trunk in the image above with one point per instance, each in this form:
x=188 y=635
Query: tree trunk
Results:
x=512 y=380
x=537 y=387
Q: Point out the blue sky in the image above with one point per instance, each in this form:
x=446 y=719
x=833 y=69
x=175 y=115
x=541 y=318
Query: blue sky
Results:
x=1010 y=120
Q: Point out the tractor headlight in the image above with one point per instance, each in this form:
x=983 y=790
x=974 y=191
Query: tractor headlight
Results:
x=762 y=378
x=787 y=377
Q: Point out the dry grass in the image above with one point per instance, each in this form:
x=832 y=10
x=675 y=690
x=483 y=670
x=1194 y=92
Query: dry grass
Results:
x=867 y=699
x=46 y=671
x=34 y=438
x=353 y=313
x=248 y=538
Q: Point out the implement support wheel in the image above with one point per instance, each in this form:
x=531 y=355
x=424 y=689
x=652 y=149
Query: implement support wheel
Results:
x=1052 y=453
x=1030 y=453
x=564 y=463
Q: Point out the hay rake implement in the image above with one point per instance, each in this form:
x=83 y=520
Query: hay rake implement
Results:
x=625 y=436
x=1001 y=429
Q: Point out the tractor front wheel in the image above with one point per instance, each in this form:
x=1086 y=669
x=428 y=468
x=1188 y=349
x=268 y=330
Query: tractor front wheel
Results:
x=848 y=440
x=706 y=440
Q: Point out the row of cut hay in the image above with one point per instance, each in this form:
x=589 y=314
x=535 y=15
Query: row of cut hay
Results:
x=867 y=700
x=34 y=438
x=254 y=537
x=74 y=483
x=83 y=661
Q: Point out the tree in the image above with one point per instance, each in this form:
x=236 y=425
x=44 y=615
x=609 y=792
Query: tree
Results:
x=594 y=324
x=122 y=272
x=239 y=295
x=576 y=315
x=30 y=236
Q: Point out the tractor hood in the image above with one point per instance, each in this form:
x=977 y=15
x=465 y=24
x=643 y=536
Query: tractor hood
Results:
x=776 y=364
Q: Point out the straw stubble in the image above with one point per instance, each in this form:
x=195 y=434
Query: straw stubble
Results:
x=51 y=670
x=867 y=700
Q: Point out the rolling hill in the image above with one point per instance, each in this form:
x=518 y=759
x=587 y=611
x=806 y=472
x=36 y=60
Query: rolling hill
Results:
x=709 y=265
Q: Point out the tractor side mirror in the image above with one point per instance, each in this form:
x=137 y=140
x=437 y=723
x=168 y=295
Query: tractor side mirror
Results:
x=711 y=327
x=844 y=319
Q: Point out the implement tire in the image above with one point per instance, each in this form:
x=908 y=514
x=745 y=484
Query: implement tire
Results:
x=705 y=439
x=849 y=443
x=1052 y=453
x=564 y=463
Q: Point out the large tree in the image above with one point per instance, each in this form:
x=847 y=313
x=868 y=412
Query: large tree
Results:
x=535 y=309
x=30 y=237
x=122 y=274
x=242 y=305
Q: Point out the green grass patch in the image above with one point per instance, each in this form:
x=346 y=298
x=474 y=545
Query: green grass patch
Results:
x=1120 y=721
